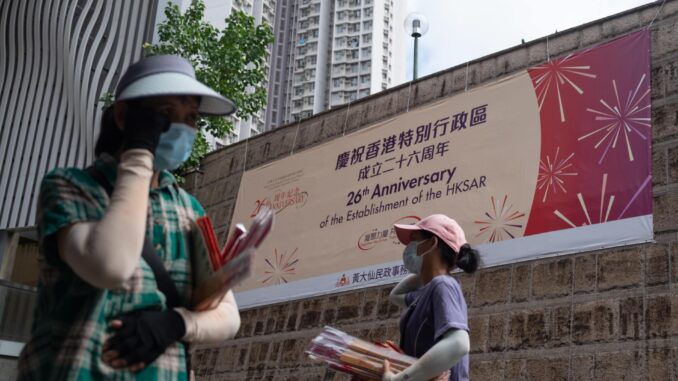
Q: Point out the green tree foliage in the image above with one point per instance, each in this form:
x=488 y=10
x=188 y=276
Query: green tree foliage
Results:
x=232 y=61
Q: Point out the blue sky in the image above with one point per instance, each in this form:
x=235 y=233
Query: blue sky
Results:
x=461 y=31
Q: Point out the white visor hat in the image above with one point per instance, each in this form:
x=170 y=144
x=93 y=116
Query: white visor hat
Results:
x=169 y=75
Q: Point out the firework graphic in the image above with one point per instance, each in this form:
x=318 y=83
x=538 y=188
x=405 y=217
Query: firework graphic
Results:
x=605 y=207
x=554 y=75
x=501 y=222
x=628 y=117
x=279 y=268
x=552 y=173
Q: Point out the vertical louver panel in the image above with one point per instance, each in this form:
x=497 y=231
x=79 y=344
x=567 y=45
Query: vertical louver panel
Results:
x=57 y=58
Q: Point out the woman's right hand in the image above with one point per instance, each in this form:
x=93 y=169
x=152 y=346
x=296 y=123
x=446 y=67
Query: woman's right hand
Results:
x=143 y=127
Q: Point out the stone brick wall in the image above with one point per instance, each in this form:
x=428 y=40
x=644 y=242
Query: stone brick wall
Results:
x=604 y=315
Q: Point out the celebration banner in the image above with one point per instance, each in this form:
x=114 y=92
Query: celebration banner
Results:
x=551 y=161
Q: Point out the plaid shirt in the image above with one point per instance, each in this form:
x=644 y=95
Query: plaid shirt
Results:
x=72 y=317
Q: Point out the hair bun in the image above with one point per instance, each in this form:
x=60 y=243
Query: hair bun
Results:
x=468 y=259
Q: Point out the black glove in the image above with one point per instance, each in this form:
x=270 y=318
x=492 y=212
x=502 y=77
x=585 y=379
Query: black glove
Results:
x=146 y=334
x=143 y=127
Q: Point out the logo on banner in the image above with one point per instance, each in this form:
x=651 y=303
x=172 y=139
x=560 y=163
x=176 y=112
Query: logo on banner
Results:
x=281 y=201
x=371 y=238
x=343 y=281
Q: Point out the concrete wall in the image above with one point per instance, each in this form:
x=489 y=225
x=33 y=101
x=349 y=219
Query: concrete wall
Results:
x=8 y=371
x=604 y=315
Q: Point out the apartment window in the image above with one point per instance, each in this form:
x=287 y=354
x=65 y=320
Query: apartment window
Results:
x=367 y=38
x=365 y=78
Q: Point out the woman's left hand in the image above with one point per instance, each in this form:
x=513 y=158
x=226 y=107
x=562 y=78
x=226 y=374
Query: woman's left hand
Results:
x=113 y=357
x=142 y=336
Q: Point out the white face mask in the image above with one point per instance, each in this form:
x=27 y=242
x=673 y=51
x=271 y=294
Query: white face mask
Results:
x=411 y=260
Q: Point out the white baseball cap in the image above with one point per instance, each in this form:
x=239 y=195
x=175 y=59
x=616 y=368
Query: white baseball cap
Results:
x=169 y=75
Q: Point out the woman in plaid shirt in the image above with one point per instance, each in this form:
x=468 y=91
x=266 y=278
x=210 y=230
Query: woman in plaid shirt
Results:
x=100 y=314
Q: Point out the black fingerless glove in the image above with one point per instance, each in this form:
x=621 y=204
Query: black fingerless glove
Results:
x=143 y=127
x=145 y=335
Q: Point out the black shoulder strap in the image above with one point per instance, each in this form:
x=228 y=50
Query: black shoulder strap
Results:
x=162 y=278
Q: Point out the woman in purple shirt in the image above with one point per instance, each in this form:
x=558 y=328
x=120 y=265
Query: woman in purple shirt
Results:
x=434 y=328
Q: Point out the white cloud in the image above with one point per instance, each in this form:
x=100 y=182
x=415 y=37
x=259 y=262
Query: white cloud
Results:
x=463 y=31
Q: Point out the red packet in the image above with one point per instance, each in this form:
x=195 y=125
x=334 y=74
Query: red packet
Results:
x=207 y=231
x=238 y=231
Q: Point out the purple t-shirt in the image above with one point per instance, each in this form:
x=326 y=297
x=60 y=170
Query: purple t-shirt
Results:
x=432 y=311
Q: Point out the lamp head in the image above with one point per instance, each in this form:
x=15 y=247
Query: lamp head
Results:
x=416 y=24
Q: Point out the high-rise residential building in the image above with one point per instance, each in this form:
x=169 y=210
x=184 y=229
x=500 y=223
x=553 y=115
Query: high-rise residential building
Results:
x=328 y=53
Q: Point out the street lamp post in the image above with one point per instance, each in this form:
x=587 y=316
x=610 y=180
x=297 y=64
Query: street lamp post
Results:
x=416 y=26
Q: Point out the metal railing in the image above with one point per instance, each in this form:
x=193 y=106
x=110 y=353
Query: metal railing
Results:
x=16 y=311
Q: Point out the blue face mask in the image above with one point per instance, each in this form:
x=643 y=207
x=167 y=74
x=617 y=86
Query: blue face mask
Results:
x=411 y=260
x=175 y=147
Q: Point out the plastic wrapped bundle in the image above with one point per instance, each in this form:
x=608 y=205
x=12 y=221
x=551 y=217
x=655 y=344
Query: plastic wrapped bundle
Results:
x=359 y=358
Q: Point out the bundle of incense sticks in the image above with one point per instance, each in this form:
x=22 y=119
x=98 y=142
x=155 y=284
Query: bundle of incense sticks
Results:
x=357 y=357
